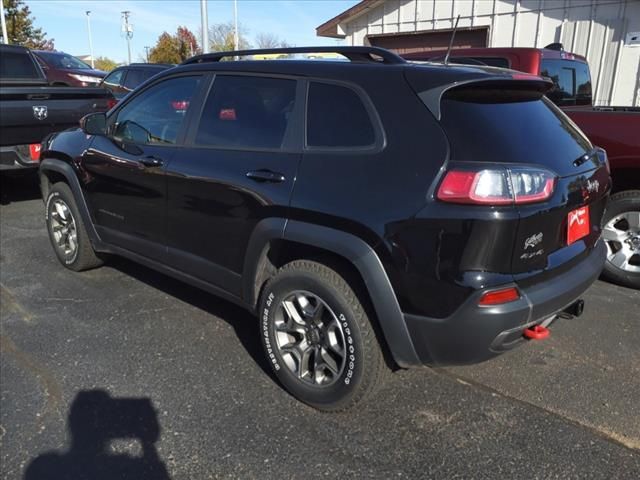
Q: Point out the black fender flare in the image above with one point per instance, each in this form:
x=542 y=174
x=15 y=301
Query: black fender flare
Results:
x=63 y=168
x=356 y=251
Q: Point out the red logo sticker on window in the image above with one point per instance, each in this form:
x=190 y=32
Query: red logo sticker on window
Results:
x=228 y=114
x=578 y=224
x=180 y=104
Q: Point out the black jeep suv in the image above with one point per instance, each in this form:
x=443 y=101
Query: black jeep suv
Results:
x=372 y=213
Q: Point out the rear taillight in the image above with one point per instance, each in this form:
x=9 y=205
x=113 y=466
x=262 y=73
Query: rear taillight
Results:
x=498 y=297
x=111 y=102
x=34 y=152
x=499 y=186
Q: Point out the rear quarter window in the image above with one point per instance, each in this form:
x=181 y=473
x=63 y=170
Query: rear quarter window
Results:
x=337 y=118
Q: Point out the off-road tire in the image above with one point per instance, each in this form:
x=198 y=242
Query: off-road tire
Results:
x=365 y=367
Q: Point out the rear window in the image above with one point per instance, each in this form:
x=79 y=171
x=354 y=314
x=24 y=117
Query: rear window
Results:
x=571 y=81
x=18 y=65
x=493 y=125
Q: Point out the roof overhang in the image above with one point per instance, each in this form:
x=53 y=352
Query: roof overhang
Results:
x=333 y=28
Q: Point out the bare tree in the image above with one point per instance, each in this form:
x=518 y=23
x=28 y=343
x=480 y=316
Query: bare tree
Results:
x=270 y=40
x=221 y=37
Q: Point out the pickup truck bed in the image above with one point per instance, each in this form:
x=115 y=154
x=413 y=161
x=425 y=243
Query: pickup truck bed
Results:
x=30 y=109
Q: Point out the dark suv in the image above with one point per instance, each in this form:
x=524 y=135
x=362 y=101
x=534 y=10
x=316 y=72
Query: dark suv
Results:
x=371 y=213
x=123 y=80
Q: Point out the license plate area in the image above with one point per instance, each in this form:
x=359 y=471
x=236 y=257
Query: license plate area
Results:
x=578 y=224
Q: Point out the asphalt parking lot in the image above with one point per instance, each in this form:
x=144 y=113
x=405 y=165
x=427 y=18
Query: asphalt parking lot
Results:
x=121 y=372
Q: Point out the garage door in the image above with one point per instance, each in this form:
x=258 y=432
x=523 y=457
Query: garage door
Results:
x=431 y=40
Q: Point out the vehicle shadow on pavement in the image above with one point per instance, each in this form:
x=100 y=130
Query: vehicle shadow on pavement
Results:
x=17 y=188
x=96 y=423
x=243 y=322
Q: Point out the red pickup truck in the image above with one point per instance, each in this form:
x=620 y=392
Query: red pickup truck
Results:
x=616 y=129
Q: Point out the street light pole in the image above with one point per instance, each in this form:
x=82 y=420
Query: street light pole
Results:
x=5 y=36
x=204 y=26
x=88 y=12
x=128 y=32
x=235 y=26
x=146 y=49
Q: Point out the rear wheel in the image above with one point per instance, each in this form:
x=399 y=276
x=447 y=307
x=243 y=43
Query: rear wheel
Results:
x=67 y=232
x=621 y=233
x=318 y=337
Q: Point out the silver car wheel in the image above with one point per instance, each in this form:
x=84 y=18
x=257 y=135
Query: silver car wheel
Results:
x=310 y=339
x=622 y=237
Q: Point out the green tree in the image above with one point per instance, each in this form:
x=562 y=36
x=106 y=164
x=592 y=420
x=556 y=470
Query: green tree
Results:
x=221 y=38
x=174 y=48
x=166 y=50
x=105 y=64
x=20 y=28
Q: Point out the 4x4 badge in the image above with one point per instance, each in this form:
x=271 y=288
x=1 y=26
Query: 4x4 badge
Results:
x=533 y=240
x=40 y=112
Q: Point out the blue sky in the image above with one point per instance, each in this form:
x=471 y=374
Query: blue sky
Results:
x=65 y=21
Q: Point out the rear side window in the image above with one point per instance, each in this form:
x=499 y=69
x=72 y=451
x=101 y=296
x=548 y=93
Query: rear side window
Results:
x=337 y=118
x=114 y=78
x=136 y=77
x=17 y=65
x=571 y=80
x=491 y=125
x=247 y=112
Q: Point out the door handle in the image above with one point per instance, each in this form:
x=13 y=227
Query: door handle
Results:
x=266 y=176
x=151 y=161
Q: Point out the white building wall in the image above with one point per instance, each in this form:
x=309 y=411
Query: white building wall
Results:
x=596 y=29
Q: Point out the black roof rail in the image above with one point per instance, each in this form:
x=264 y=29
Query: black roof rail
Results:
x=355 y=54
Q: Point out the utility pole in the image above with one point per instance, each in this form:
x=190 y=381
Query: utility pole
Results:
x=127 y=28
x=204 y=26
x=235 y=24
x=88 y=12
x=146 y=49
x=5 y=36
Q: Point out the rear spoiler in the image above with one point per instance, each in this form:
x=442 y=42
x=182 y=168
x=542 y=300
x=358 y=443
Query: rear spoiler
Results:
x=520 y=81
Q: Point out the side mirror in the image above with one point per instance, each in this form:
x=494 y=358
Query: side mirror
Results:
x=94 y=124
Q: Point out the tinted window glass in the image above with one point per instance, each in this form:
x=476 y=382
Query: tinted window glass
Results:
x=113 y=79
x=63 y=60
x=336 y=117
x=571 y=80
x=17 y=65
x=250 y=112
x=510 y=126
x=136 y=77
x=156 y=115
x=493 y=61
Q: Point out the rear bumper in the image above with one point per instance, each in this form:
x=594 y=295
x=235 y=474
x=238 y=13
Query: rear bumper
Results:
x=16 y=157
x=474 y=333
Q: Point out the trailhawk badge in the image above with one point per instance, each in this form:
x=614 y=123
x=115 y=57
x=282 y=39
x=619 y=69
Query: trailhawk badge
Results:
x=40 y=112
x=533 y=240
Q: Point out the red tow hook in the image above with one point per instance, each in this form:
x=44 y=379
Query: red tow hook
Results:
x=536 y=332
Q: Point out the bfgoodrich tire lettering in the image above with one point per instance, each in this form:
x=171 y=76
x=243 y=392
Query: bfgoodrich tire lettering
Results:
x=344 y=362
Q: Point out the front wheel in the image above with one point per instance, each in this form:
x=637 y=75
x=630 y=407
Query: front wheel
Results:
x=318 y=337
x=621 y=233
x=67 y=232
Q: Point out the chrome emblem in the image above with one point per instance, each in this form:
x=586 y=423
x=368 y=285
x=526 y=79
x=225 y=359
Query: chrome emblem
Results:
x=592 y=186
x=40 y=112
x=533 y=240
